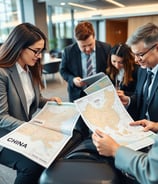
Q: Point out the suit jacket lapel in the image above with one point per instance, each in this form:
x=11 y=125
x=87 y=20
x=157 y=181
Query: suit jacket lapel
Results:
x=78 y=59
x=17 y=83
x=97 y=56
x=140 y=85
x=154 y=87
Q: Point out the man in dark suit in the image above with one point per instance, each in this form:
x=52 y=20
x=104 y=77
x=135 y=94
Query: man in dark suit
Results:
x=137 y=101
x=146 y=54
x=73 y=65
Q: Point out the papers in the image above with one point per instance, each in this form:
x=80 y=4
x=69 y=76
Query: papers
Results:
x=99 y=84
x=45 y=135
x=43 y=138
x=93 y=78
x=103 y=110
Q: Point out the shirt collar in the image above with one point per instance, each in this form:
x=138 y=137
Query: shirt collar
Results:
x=20 y=69
x=154 y=70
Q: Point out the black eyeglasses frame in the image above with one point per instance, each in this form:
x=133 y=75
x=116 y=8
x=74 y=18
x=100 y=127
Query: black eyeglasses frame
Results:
x=143 y=54
x=36 y=52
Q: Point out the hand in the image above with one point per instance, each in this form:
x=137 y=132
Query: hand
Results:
x=78 y=83
x=56 y=99
x=120 y=92
x=148 y=125
x=124 y=99
x=105 y=145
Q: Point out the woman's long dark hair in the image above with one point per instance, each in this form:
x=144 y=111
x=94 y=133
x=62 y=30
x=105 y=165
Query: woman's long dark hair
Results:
x=123 y=51
x=21 y=37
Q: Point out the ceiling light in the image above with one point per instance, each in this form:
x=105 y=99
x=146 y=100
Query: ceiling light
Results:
x=115 y=3
x=62 y=3
x=81 y=6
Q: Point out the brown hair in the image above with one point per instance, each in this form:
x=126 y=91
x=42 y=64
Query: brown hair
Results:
x=123 y=51
x=83 y=30
x=21 y=37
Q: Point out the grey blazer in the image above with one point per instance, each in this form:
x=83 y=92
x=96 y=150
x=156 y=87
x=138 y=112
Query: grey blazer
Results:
x=141 y=165
x=13 y=108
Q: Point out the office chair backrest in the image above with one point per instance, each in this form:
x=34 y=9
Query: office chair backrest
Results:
x=52 y=67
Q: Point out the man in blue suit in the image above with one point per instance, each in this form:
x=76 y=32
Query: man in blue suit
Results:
x=144 y=45
x=74 y=58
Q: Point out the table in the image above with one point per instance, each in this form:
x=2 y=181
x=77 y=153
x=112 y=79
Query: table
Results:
x=50 y=66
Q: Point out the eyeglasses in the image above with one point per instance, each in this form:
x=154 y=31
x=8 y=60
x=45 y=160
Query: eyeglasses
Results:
x=36 y=52
x=142 y=54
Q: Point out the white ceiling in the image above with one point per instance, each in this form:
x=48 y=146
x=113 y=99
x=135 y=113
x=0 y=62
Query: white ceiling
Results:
x=99 y=4
x=104 y=9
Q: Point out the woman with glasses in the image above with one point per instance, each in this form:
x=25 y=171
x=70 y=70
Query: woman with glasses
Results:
x=122 y=69
x=20 y=84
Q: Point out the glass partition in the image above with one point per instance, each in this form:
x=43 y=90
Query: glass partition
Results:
x=9 y=17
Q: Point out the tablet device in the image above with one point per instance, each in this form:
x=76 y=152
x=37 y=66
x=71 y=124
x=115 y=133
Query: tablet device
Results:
x=93 y=78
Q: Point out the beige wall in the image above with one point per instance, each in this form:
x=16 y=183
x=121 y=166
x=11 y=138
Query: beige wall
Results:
x=135 y=22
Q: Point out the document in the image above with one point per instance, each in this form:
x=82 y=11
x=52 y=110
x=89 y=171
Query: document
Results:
x=93 y=78
x=99 y=84
x=103 y=110
x=45 y=135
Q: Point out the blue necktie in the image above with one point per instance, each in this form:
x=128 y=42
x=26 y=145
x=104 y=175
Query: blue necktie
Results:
x=144 y=107
x=146 y=91
x=89 y=66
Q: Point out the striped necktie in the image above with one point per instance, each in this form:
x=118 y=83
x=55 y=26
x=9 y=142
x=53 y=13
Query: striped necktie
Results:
x=89 y=66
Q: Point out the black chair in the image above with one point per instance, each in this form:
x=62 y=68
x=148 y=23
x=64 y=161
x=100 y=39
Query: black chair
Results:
x=81 y=166
x=79 y=171
x=50 y=68
x=55 y=53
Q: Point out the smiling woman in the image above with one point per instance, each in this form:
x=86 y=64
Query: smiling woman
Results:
x=20 y=96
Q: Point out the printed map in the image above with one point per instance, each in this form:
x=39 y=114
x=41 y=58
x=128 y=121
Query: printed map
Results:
x=44 y=137
x=103 y=110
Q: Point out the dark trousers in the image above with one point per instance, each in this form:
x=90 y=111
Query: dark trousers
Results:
x=28 y=172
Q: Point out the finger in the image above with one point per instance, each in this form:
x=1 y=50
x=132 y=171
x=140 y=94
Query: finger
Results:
x=94 y=140
x=58 y=100
x=99 y=133
x=94 y=136
x=120 y=92
x=136 y=123
x=146 y=129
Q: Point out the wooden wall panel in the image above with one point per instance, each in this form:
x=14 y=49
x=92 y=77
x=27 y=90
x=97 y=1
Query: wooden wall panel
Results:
x=119 y=30
x=116 y=31
x=134 y=22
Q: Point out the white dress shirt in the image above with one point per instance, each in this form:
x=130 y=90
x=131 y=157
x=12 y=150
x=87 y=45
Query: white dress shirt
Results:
x=27 y=85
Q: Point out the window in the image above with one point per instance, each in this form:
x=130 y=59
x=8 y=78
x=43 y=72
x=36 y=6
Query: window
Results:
x=9 y=17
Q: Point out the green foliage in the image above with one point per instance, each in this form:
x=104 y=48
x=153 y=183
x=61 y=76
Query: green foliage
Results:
x=53 y=44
